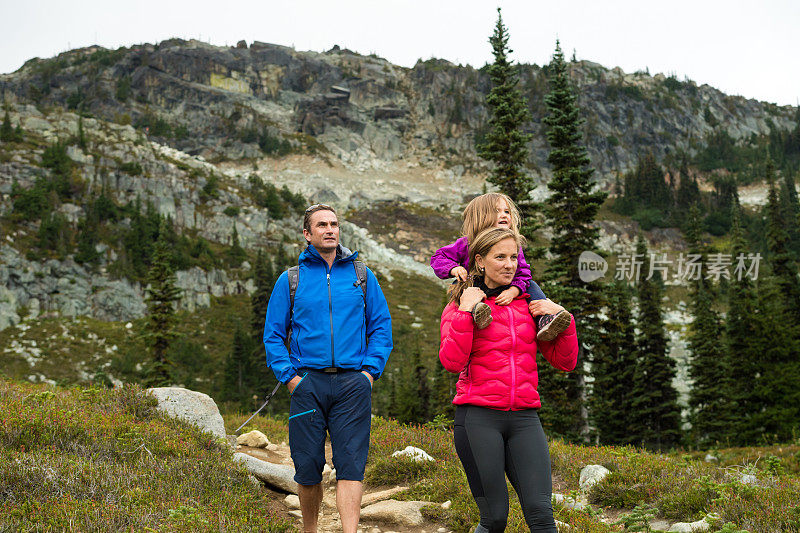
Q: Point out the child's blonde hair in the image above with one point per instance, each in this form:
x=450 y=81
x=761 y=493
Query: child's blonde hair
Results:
x=481 y=214
x=481 y=246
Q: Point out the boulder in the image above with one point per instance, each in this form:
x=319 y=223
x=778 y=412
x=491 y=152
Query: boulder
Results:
x=592 y=474
x=569 y=502
x=253 y=439
x=278 y=476
x=292 y=501
x=191 y=406
x=415 y=454
x=689 y=527
x=395 y=512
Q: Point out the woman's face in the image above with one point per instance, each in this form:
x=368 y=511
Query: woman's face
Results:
x=500 y=263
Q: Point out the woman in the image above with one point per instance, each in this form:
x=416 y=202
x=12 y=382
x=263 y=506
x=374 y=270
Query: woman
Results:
x=497 y=428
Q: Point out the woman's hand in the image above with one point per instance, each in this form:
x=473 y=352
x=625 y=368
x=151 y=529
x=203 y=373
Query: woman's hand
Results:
x=507 y=296
x=470 y=297
x=459 y=272
x=544 y=307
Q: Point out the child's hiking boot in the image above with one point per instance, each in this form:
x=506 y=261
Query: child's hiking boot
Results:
x=482 y=315
x=550 y=326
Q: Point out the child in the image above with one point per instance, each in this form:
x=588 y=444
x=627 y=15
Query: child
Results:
x=483 y=212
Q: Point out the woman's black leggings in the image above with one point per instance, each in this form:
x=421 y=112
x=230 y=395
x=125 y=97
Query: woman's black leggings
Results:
x=491 y=443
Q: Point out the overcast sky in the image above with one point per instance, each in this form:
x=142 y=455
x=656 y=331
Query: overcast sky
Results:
x=740 y=47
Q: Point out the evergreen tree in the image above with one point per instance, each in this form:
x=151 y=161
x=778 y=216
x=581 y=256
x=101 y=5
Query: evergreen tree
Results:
x=6 y=131
x=709 y=397
x=780 y=260
x=655 y=401
x=264 y=380
x=791 y=212
x=506 y=143
x=613 y=369
x=19 y=136
x=570 y=211
x=236 y=253
x=413 y=389
x=743 y=345
x=162 y=294
x=238 y=367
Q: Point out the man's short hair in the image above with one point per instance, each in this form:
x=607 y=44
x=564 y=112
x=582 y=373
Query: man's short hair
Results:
x=313 y=209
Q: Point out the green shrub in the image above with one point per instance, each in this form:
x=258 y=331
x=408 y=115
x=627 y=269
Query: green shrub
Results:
x=131 y=167
x=231 y=211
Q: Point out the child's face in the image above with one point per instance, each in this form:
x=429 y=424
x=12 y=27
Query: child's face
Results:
x=503 y=215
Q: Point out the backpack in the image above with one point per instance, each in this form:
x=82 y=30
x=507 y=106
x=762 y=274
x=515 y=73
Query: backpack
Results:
x=294 y=280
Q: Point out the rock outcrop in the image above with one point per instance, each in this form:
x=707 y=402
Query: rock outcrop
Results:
x=190 y=406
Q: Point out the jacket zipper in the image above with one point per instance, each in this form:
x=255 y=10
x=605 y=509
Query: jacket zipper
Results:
x=330 y=316
x=513 y=346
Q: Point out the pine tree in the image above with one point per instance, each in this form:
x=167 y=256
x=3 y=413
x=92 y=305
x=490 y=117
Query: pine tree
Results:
x=238 y=366
x=780 y=259
x=743 y=345
x=791 y=212
x=6 y=131
x=708 y=399
x=506 y=143
x=613 y=369
x=655 y=401
x=263 y=379
x=570 y=212
x=162 y=294
x=779 y=303
x=236 y=253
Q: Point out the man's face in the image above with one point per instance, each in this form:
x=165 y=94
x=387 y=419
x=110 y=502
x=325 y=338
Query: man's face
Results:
x=324 y=234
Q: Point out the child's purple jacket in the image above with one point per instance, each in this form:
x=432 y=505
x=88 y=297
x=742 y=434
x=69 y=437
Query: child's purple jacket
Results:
x=457 y=254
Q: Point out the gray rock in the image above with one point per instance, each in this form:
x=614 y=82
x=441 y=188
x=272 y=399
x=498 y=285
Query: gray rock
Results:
x=253 y=439
x=689 y=527
x=395 y=512
x=569 y=502
x=292 y=501
x=592 y=474
x=279 y=476
x=191 y=406
x=749 y=479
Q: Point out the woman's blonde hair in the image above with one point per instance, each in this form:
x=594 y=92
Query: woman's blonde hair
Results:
x=482 y=245
x=481 y=214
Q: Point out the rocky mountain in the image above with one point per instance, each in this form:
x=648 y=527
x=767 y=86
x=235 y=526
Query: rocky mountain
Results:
x=366 y=114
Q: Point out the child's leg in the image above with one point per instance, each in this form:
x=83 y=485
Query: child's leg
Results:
x=535 y=291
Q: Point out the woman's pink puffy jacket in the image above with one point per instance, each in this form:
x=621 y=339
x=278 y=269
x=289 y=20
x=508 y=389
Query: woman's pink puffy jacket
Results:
x=497 y=365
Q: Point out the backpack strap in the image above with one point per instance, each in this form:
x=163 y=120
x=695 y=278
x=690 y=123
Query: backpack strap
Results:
x=294 y=279
x=361 y=275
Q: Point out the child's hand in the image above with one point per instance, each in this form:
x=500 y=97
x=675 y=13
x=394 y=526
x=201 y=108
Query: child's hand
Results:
x=459 y=272
x=507 y=296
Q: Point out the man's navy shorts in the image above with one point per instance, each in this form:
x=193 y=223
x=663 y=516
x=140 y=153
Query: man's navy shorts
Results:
x=340 y=403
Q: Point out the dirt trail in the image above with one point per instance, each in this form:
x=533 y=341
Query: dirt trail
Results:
x=329 y=516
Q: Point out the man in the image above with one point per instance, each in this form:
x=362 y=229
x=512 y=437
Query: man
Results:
x=341 y=336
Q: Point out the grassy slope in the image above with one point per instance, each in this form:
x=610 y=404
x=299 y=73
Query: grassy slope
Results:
x=100 y=460
x=90 y=459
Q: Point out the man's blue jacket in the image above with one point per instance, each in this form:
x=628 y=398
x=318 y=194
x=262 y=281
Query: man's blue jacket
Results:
x=329 y=325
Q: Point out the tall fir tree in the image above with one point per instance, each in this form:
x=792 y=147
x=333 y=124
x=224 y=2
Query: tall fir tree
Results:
x=655 y=401
x=237 y=386
x=506 y=143
x=791 y=212
x=570 y=212
x=780 y=259
x=263 y=378
x=709 y=401
x=162 y=294
x=6 y=131
x=743 y=343
x=779 y=303
x=613 y=369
